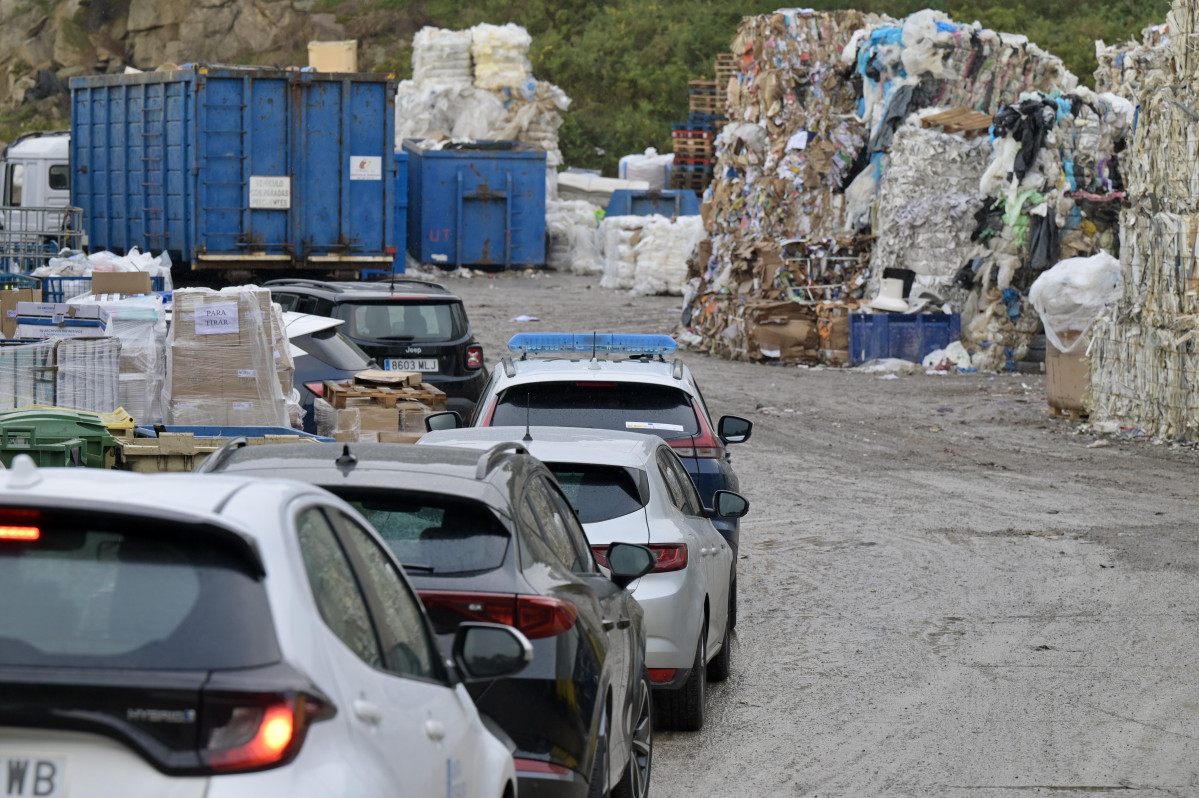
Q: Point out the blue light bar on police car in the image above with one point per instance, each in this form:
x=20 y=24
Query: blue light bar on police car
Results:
x=586 y=343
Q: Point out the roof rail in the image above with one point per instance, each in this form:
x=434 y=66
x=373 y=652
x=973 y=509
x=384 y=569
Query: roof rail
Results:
x=489 y=458
x=300 y=281
x=214 y=460
x=416 y=280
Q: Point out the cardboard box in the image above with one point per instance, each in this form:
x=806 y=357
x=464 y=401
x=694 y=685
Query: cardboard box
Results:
x=391 y=379
x=400 y=437
x=8 y=307
x=217 y=374
x=1067 y=374
x=46 y=320
x=371 y=417
x=135 y=283
x=333 y=56
x=784 y=330
x=205 y=318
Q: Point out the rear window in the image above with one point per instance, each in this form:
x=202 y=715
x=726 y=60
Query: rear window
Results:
x=397 y=321
x=434 y=533
x=631 y=407
x=598 y=492
x=129 y=593
x=334 y=349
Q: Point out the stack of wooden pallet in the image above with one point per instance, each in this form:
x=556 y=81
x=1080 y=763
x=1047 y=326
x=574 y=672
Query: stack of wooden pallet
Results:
x=383 y=406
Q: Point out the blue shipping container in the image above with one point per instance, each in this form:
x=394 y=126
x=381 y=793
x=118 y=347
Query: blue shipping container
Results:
x=401 y=213
x=669 y=203
x=238 y=167
x=908 y=336
x=478 y=204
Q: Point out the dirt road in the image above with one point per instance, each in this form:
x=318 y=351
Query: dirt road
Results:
x=943 y=591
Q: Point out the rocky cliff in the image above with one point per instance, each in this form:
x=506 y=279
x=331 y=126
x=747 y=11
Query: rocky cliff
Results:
x=43 y=43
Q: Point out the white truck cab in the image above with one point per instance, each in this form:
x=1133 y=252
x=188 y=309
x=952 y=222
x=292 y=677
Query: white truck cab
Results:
x=37 y=174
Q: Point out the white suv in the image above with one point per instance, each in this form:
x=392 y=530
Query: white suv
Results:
x=225 y=637
x=633 y=489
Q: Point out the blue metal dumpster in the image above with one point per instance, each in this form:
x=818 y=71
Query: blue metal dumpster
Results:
x=670 y=203
x=477 y=204
x=238 y=167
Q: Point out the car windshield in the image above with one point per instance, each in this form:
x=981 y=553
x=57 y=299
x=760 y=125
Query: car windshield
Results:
x=401 y=321
x=599 y=492
x=128 y=592
x=333 y=349
x=628 y=406
x=431 y=533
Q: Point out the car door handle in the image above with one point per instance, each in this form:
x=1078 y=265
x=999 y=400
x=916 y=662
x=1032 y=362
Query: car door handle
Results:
x=368 y=713
x=609 y=625
x=624 y=623
x=435 y=729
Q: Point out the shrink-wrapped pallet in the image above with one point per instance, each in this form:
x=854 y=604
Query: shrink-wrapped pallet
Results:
x=27 y=375
x=220 y=362
x=140 y=324
x=87 y=375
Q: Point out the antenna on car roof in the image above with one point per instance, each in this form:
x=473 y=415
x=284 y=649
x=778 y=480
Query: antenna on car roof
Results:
x=346 y=459
x=594 y=364
x=528 y=438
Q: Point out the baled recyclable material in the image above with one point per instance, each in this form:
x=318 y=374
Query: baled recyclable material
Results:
x=88 y=374
x=573 y=228
x=648 y=254
x=649 y=166
x=1125 y=67
x=501 y=56
x=441 y=58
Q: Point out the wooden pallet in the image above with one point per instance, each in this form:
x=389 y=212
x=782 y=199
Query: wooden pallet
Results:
x=959 y=120
x=336 y=394
x=726 y=68
x=702 y=87
x=706 y=104
x=685 y=180
x=693 y=148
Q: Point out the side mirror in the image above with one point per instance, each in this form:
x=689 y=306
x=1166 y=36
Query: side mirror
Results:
x=448 y=419
x=629 y=562
x=487 y=651
x=727 y=504
x=734 y=429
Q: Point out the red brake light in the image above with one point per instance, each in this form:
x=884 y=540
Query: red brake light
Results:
x=317 y=388
x=537 y=766
x=671 y=556
x=704 y=445
x=20 y=533
x=252 y=736
x=661 y=675
x=595 y=385
x=535 y=616
x=474 y=357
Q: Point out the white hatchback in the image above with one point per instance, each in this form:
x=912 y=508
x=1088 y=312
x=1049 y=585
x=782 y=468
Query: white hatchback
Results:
x=229 y=638
x=632 y=488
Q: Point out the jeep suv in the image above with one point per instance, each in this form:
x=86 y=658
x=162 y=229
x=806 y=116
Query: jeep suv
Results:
x=405 y=324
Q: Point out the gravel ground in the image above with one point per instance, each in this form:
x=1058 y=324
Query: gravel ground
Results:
x=943 y=591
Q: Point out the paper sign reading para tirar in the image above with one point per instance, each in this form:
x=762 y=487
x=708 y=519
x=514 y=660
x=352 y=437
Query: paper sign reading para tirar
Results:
x=216 y=318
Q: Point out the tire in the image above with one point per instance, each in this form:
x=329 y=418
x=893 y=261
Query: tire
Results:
x=635 y=781
x=721 y=665
x=597 y=785
x=683 y=709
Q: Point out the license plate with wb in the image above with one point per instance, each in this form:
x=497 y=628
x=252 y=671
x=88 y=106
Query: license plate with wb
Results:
x=410 y=364
x=33 y=774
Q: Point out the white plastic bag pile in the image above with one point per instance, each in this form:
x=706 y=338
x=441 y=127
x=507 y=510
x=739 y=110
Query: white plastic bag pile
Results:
x=477 y=84
x=1070 y=295
x=573 y=228
x=80 y=264
x=648 y=254
x=649 y=166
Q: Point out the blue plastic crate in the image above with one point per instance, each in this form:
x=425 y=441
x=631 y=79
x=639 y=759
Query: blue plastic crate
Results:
x=908 y=336
x=60 y=289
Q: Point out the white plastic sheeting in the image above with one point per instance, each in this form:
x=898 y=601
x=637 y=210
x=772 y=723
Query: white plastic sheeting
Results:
x=1070 y=295
x=79 y=264
x=648 y=254
x=649 y=166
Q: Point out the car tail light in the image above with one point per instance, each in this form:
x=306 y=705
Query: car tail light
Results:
x=704 y=445
x=661 y=675
x=318 y=388
x=595 y=385
x=671 y=556
x=250 y=732
x=535 y=616
x=20 y=533
x=474 y=357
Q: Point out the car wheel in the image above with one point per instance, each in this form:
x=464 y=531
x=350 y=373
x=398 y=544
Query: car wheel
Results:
x=721 y=665
x=683 y=709
x=597 y=787
x=635 y=781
